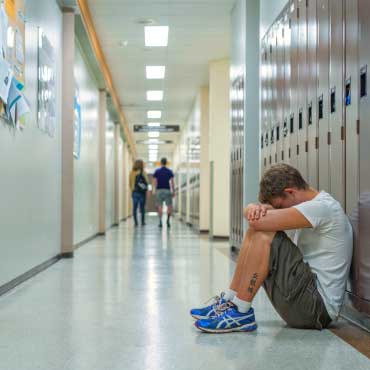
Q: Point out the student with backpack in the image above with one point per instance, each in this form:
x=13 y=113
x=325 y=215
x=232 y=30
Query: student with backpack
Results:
x=139 y=186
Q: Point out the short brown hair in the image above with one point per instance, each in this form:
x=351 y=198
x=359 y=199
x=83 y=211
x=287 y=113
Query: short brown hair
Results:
x=138 y=165
x=277 y=179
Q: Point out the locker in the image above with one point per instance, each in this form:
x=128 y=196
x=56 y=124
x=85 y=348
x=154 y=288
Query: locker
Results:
x=279 y=88
x=287 y=88
x=293 y=119
x=362 y=249
x=272 y=86
x=311 y=112
x=351 y=92
x=336 y=122
x=302 y=147
x=268 y=125
x=323 y=92
x=263 y=106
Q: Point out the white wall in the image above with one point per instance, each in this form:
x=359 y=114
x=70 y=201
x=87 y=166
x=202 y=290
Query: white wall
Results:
x=121 y=180
x=86 y=169
x=30 y=164
x=219 y=145
x=109 y=168
x=269 y=10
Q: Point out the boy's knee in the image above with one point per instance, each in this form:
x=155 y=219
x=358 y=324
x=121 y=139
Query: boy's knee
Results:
x=264 y=237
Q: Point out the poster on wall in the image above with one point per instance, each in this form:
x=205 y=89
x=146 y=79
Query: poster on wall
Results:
x=46 y=103
x=77 y=125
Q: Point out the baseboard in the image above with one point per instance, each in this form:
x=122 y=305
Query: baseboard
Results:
x=203 y=231
x=217 y=237
x=29 y=274
x=83 y=242
x=67 y=255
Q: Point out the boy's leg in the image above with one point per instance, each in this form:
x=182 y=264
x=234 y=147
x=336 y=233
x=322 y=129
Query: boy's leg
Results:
x=136 y=203
x=142 y=209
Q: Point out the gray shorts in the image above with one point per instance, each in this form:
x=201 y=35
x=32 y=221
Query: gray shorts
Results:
x=291 y=287
x=163 y=196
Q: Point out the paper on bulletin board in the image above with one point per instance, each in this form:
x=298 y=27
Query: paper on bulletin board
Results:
x=11 y=10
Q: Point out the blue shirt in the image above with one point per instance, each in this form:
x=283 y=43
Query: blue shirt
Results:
x=163 y=176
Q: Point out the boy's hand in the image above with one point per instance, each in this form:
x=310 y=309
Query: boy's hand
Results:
x=254 y=212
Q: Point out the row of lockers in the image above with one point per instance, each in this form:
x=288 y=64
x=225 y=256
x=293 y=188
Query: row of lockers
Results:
x=315 y=110
x=311 y=82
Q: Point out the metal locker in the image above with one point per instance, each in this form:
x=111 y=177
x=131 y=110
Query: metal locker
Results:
x=287 y=88
x=311 y=112
x=273 y=155
x=268 y=125
x=361 y=258
x=263 y=105
x=302 y=147
x=336 y=122
x=279 y=88
x=323 y=92
x=351 y=95
x=293 y=119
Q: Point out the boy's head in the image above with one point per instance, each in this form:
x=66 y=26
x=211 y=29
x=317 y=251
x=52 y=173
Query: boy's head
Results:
x=282 y=186
x=164 y=161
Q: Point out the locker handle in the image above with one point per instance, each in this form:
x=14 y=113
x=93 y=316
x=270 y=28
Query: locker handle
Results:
x=262 y=142
x=332 y=100
x=300 y=119
x=321 y=107
x=348 y=92
x=310 y=113
x=277 y=132
x=285 y=129
x=363 y=81
x=292 y=124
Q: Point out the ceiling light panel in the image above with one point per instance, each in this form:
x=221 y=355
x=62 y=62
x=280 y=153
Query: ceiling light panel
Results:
x=153 y=134
x=154 y=114
x=153 y=147
x=154 y=95
x=156 y=36
x=154 y=124
x=155 y=72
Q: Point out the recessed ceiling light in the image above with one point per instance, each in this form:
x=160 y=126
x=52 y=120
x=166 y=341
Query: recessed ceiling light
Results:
x=156 y=35
x=154 y=114
x=152 y=141
x=153 y=134
x=154 y=124
x=153 y=147
x=155 y=72
x=154 y=95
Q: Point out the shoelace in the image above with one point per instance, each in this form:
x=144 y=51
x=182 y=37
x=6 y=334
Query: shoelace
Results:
x=223 y=307
x=217 y=299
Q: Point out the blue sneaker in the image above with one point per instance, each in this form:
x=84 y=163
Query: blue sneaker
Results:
x=229 y=320
x=210 y=311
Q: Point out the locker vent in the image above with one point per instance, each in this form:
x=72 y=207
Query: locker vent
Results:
x=277 y=133
x=292 y=124
x=310 y=114
x=363 y=81
x=321 y=107
x=300 y=119
x=332 y=100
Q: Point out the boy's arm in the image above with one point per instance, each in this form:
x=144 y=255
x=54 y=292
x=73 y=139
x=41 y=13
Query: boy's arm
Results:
x=280 y=219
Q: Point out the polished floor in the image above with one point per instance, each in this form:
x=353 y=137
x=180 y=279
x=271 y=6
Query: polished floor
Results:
x=123 y=301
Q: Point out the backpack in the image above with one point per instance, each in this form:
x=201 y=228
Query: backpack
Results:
x=141 y=185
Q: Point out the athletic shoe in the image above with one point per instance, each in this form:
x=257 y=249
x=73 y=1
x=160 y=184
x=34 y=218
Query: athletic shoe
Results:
x=168 y=224
x=229 y=320
x=209 y=311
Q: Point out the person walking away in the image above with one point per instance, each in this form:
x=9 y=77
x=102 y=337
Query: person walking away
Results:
x=164 y=186
x=139 y=186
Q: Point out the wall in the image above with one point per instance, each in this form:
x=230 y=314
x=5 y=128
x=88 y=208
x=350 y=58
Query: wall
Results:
x=109 y=167
x=30 y=164
x=86 y=207
x=269 y=10
x=219 y=145
x=121 y=180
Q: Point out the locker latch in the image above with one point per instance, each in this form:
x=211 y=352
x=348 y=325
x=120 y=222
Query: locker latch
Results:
x=277 y=132
x=363 y=81
x=285 y=129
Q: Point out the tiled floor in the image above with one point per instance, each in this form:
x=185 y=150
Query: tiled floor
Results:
x=123 y=301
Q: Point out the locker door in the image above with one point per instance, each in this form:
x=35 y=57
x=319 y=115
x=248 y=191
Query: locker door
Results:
x=322 y=92
x=263 y=106
x=351 y=92
x=312 y=129
x=269 y=102
x=302 y=88
x=293 y=124
x=287 y=88
x=336 y=122
x=273 y=115
x=362 y=252
x=280 y=88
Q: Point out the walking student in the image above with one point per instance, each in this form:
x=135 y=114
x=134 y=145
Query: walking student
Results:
x=163 y=183
x=304 y=278
x=139 y=186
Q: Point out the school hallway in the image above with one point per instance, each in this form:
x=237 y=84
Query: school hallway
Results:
x=123 y=303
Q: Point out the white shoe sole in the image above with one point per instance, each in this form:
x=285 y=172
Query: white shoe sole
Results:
x=245 y=328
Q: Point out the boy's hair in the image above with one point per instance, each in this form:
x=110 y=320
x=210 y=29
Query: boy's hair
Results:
x=163 y=161
x=277 y=179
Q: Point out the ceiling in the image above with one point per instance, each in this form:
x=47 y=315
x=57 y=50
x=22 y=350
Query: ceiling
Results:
x=199 y=31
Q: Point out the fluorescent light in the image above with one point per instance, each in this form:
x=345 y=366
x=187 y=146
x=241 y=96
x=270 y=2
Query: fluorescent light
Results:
x=156 y=35
x=154 y=95
x=154 y=124
x=152 y=141
x=154 y=114
x=155 y=72
x=153 y=146
x=153 y=134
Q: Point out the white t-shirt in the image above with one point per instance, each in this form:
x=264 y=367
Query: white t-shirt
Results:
x=327 y=247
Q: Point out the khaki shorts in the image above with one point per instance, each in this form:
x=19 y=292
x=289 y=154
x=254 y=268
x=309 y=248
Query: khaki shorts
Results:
x=163 y=196
x=291 y=287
